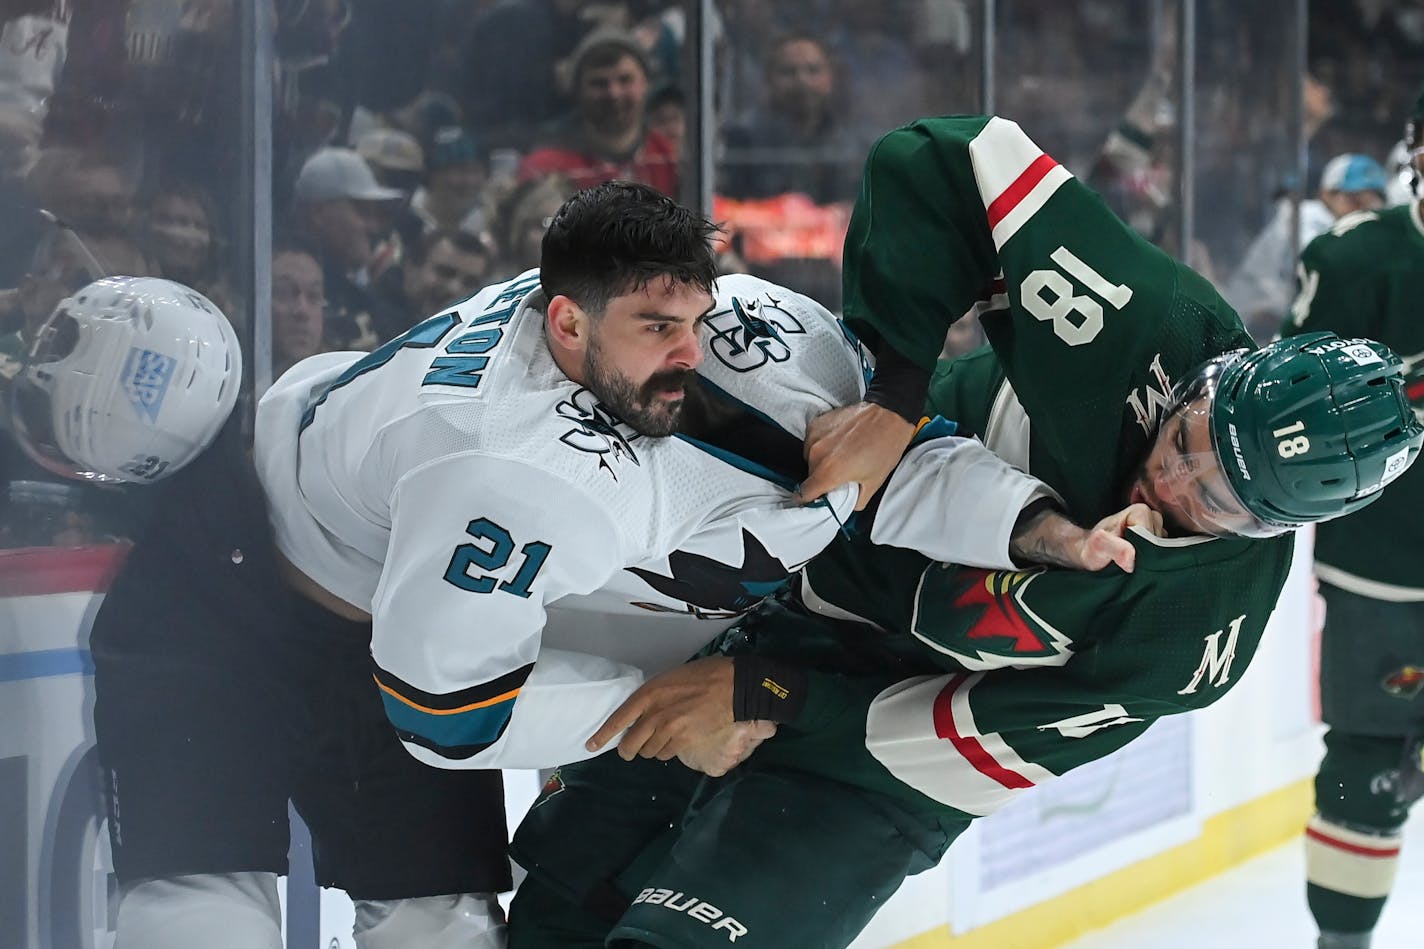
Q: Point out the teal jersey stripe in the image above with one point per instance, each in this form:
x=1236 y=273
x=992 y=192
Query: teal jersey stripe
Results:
x=458 y=731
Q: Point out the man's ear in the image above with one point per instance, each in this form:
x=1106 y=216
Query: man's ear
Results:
x=568 y=324
x=567 y=327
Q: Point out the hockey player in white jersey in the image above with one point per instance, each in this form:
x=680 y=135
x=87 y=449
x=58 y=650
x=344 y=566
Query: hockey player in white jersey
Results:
x=491 y=508
x=492 y=490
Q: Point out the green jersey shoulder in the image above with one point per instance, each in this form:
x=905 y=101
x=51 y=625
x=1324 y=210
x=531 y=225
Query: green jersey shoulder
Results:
x=1091 y=325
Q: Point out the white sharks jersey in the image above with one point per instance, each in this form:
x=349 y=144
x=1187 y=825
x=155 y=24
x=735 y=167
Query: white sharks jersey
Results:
x=527 y=558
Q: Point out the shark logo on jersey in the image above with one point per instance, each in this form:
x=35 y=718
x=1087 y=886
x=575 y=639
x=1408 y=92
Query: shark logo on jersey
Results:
x=715 y=590
x=1148 y=401
x=598 y=432
x=979 y=617
x=751 y=332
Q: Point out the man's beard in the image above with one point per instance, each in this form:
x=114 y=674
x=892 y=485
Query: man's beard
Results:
x=639 y=406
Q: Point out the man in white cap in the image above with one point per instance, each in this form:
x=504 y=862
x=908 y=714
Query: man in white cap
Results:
x=340 y=207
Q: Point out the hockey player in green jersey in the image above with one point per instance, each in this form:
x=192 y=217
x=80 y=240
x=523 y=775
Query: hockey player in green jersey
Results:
x=1363 y=277
x=915 y=696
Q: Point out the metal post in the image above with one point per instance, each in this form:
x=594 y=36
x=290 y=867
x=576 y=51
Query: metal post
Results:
x=988 y=35
x=1186 y=125
x=699 y=154
x=253 y=238
x=1297 y=118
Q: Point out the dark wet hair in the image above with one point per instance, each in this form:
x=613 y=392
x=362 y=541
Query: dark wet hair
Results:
x=617 y=238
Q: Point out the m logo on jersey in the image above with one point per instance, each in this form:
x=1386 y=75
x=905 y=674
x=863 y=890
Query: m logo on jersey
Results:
x=1215 y=666
x=1148 y=401
x=749 y=333
x=980 y=618
x=715 y=590
x=598 y=432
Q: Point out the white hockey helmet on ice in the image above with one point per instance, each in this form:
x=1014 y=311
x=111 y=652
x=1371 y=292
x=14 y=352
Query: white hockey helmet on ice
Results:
x=128 y=380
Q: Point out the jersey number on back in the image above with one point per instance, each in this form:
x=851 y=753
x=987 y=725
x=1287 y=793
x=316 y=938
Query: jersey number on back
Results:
x=1076 y=318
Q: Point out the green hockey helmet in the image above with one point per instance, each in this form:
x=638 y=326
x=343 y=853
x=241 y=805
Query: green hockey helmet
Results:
x=1311 y=427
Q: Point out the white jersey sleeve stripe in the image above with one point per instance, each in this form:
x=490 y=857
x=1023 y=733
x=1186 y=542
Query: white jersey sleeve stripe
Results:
x=954 y=722
x=1015 y=177
x=923 y=731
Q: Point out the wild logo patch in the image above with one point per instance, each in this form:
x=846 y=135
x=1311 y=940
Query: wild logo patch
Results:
x=982 y=620
x=1404 y=682
x=553 y=785
x=598 y=432
x=752 y=332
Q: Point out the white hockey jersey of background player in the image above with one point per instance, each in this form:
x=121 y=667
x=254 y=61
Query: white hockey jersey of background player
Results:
x=527 y=558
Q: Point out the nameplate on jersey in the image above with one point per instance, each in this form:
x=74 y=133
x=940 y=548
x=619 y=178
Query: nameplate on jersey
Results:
x=470 y=349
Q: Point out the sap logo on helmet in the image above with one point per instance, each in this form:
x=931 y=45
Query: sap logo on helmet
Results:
x=1236 y=450
x=145 y=380
x=697 y=909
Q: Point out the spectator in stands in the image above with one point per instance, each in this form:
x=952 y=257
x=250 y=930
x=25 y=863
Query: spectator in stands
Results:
x=870 y=40
x=298 y=304
x=457 y=168
x=444 y=267
x=503 y=72
x=337 y=207
x=180 y=236
x=606 y=136
x=1263 y=285
x=398 y=162
x=525 y=216
x=19 y=156
x=794 y=141
x=97 y=198
x=667 y=115
x=62 y=263
x=394 y=157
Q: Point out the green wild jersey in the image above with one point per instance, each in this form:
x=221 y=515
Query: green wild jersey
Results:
x=1056 y=667
x=1091 y=325
x=1363 y=277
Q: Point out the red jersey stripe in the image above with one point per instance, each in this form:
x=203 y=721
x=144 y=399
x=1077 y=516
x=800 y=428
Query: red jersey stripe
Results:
x=1000 y=207
x=1329 y=841
x=968 y=746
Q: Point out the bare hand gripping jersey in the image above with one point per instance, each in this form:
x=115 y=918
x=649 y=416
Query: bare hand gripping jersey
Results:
x=1090 y=327
x=528 y=558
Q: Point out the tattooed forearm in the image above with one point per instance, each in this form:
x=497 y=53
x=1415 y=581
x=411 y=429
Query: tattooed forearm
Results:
x=1044 y=535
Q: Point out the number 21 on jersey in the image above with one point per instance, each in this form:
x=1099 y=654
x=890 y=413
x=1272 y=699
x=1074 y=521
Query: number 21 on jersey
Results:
x=490 y=555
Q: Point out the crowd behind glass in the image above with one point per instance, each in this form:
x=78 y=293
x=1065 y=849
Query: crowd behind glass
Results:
x=420 y=148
